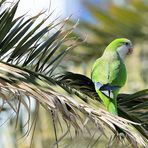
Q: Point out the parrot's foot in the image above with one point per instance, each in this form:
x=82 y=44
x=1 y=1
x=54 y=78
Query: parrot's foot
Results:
x=121 y=136
x=120 y=133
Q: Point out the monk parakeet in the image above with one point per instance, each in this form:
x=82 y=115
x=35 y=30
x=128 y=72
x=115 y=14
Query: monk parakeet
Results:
x=109 y=72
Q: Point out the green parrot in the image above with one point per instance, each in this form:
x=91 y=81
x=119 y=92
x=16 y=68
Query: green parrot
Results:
x=109 y=72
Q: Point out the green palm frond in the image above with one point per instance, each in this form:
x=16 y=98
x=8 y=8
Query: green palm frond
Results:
x=27 y=71
x=23 y=46
x=29 y=55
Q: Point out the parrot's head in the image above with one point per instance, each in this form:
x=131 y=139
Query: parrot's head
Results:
x=122 y=46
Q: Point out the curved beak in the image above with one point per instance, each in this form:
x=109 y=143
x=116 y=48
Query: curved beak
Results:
x=130 y=50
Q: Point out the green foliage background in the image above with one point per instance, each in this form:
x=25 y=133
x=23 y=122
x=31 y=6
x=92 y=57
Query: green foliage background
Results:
x=128 y=20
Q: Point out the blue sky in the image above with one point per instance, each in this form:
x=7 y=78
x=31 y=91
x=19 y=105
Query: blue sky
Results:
x=64 y=8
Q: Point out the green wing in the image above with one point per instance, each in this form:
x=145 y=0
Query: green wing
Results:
x=109 y=70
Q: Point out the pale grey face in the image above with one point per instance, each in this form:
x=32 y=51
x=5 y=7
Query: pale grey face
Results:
x=125 y=48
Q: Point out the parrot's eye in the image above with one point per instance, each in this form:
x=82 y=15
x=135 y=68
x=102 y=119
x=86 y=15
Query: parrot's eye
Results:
x=126 y=43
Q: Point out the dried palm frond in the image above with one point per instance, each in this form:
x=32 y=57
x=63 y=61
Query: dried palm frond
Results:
x=132 y=107
x=14 y=84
